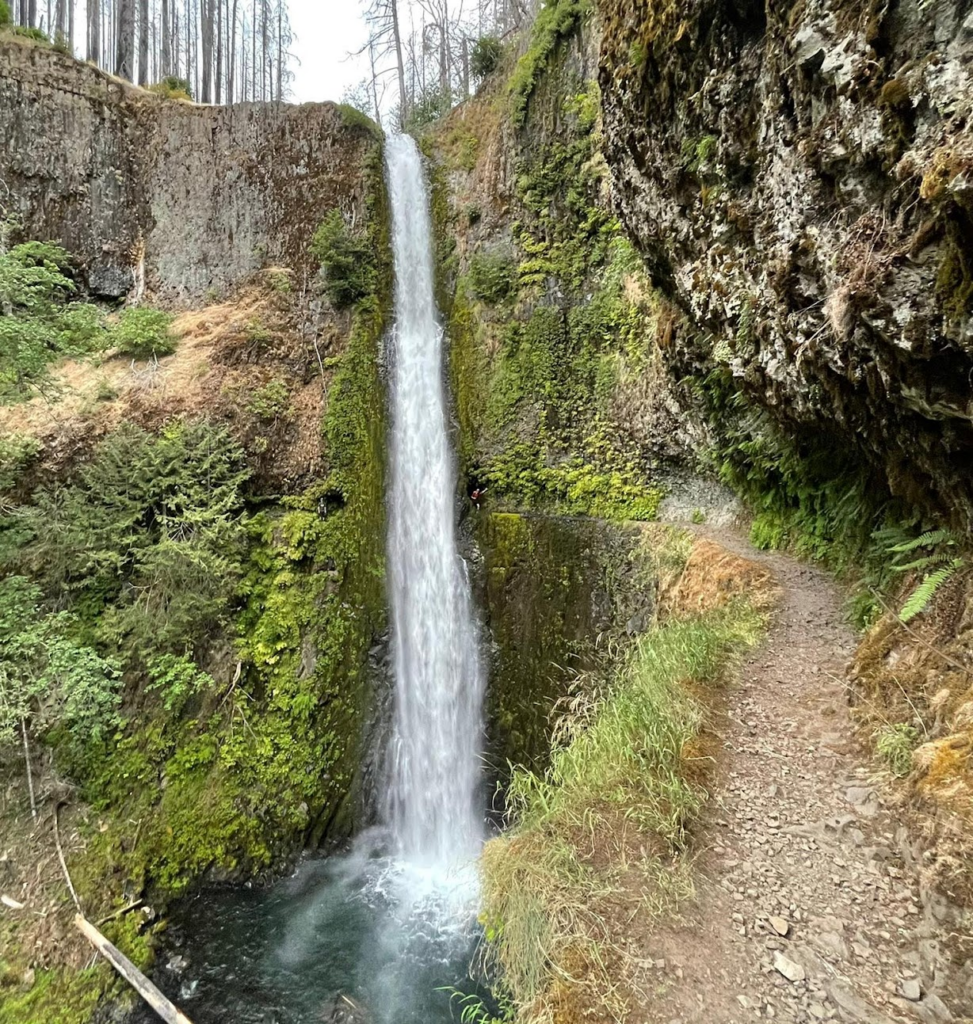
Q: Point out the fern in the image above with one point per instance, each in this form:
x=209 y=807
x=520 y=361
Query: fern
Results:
x=929 y=539
x=919 y=599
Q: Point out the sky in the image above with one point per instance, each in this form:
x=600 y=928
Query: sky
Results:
x=326 y=31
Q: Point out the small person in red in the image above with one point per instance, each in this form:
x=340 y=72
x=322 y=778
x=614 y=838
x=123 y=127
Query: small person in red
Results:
x=477 y=494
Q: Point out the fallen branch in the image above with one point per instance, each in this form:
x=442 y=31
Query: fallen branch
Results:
x=121 y=910
x=60 y=857
x=165 y=1009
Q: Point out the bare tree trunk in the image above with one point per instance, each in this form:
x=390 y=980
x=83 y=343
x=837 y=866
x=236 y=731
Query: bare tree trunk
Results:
x=143 y=43
x=94 y=31
x=125 y=46
x=231 y=36
x=371 y=61
x=266 y=82
x=219 y=51
x=400 y=67
x=280 y=50
x=253 y=60
x=166 y=42
x=206 y=30
x=188 y=35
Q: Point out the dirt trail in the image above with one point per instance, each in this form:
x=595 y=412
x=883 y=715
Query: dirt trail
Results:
x=798 y=841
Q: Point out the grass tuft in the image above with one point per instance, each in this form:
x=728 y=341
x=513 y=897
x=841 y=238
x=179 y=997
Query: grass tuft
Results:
x=602 y=834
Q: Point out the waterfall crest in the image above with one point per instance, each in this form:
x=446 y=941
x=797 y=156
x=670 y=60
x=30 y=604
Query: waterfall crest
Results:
x=432 y=807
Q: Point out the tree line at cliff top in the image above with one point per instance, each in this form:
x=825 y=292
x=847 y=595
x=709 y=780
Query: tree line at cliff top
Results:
x=422 y=56
x=216 y=51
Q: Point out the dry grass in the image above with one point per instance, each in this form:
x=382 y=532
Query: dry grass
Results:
x=226 y=351
x=919 y=678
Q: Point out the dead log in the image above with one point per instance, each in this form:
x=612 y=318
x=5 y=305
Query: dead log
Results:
x=166 y=1010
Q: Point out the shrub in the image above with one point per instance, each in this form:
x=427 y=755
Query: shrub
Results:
x=492 y=276
x=148 y=537
x=143 y=332
x=176 y=679
x=271 y=401
x=279 y=280
x=16 y=452
x=173 y=88
x=5 y=19
x=31 y=33
x=41 y=322
x=48 y=677
x=347 y=260
x=485 y=56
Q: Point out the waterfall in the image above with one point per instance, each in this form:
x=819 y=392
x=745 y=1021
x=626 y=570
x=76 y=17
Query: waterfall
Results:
x=432 y=807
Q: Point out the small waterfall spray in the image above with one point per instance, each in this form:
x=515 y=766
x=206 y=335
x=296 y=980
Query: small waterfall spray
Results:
x=434 y=764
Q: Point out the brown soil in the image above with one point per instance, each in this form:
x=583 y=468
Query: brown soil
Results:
x=800 y=830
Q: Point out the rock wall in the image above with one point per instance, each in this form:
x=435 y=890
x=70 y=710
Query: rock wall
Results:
x=180 y=198
x=799 y=179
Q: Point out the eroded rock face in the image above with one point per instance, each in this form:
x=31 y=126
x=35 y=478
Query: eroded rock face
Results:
x=799 y=179
x=177 y=198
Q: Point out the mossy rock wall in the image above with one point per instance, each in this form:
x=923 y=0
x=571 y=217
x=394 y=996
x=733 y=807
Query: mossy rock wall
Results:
x=551 y=323
x=553 y=591
x=797 y=179
x=231 y=777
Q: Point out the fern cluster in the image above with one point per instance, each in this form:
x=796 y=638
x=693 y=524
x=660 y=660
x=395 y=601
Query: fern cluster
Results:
x=932 y=553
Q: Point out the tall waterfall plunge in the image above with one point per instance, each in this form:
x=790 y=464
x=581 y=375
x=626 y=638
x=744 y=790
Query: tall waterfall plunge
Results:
x=434 y=760
x=390 y=924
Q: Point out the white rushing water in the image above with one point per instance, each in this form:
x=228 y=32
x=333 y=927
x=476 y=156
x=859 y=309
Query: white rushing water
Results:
x=433 y=812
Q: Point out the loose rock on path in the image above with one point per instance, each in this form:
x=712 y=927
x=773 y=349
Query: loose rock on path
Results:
x=808 y=905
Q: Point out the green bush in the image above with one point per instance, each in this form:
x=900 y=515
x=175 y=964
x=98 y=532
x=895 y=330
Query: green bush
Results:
x=271 y=401
x=31 y=33
x=147 y=538
x=492 y=276
x=5 y=19
x=47 y=677
x=16 y=452
x=485 y=56
x=40 y=322
x=173 y=88
x=347 y=260
x=143 y=332
x=176 y=678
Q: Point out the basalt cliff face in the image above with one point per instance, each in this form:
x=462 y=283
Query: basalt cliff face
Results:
x=174 y=198
x=799 y=180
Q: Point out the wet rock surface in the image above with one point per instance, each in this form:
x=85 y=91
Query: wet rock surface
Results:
x=798 y=181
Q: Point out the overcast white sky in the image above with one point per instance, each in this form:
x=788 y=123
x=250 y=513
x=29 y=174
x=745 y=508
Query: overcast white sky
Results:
x=326 y=31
